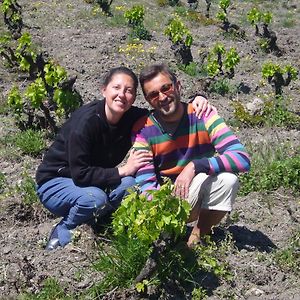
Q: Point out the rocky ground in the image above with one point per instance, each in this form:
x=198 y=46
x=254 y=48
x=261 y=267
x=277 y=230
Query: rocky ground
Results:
x=86 y=43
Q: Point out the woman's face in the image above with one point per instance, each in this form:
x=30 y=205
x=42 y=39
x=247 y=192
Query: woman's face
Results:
x=120 y=94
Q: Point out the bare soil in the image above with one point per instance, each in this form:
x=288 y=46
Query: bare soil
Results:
x=87 y=44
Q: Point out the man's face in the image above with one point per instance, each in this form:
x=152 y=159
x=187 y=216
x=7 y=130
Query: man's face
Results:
x=163 y=95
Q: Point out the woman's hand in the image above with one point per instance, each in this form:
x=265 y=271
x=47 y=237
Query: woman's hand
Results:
x=136 y=160
x=201 y=106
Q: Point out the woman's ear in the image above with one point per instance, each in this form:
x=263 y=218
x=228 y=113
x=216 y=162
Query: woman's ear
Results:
x=103 y=91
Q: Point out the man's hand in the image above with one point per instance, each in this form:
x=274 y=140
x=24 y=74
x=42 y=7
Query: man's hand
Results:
x=183 y=181
x=136 y=160
x=201 y=106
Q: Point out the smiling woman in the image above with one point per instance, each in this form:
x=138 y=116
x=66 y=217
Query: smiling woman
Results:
x=120 y=94
x=79 y=178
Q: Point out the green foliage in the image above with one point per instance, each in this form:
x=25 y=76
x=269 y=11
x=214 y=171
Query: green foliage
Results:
x=209 y=261
x=21 y=55
x=15 y=100
x=30 y=142
x=199 y=293
x=12 y=16
x=51 y=92
x=178 y=32
x=135 y=18
x=289 y=257
x=140 y=32
x=220 y=86
x=191 y=69
x=271 y=174
x=50 y=291
x=135 y=15
x=54 y=74
x=222 y=15
x=145 y=220
x=231 y=60
x=121 y=263
x=256 y=16
x=26 y=189
x=25 y=52
x=278 y=76
x=273 y=113
x=36 y=93
x=2 y=182
x=215 y=61
x=66 y=101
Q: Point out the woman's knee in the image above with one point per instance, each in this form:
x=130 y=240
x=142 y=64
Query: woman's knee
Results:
x=127 y=182
x=93 y=198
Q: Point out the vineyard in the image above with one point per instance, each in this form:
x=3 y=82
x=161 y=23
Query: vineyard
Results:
x=244 y=55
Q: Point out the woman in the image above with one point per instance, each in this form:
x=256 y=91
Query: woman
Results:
x=80 y=178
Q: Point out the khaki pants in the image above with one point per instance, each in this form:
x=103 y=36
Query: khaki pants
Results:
x=213 y=192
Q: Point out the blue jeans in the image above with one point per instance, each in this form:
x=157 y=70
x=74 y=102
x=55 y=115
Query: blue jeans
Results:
x=78 y=205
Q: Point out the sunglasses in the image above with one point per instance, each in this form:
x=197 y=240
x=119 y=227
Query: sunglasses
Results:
x=166 y=89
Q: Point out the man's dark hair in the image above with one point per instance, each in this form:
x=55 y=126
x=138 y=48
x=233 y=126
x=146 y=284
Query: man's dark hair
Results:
x=152 y=71
x=119 y=70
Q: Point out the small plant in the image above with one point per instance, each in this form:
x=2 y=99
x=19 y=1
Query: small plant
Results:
x=216 y=61
x=135 y=19
x=220 y=86
x=267 y=37
x=191 y=69
x=181 y=39
x=227 y=26
x=137 y=226
x=12 y=13
x=271 y=173
x=52 y=91
x=135 y=15
x=199 y=293
x=289 y=258
x=278 y=76
x=209 y=261
x=51 y=290
x=26 y=189
x=30 y=142
x=23 y=56
x=140 y=218
x=2 y=182
x=273 y=113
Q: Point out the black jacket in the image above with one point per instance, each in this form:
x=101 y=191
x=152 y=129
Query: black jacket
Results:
x=88 y=149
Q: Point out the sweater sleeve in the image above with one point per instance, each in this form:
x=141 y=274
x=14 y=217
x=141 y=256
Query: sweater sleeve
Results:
x=145 y=177
x=231 y=154
x=83 y=172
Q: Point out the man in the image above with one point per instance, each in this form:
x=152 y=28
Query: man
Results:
x=201 y=156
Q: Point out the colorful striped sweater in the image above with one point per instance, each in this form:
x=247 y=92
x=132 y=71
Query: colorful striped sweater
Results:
x=208 y=142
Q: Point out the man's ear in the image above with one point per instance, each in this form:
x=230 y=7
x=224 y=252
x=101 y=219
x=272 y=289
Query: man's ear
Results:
x=178 y=85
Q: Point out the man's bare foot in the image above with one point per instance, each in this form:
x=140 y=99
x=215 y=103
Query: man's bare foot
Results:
x=194 y=238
